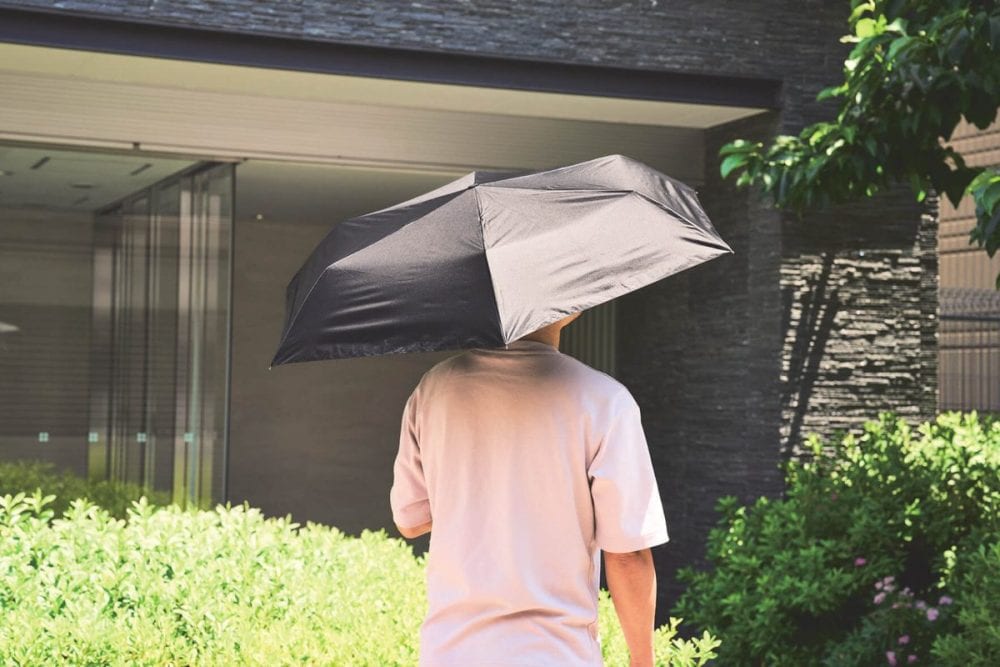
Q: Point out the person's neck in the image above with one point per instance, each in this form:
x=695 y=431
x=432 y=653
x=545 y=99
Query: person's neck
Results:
x=549 y=338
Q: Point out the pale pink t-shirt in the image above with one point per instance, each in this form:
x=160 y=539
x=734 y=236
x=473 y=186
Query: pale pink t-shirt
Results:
x=529 y=462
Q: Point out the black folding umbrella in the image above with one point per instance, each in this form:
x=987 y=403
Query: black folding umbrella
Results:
x=486 y=259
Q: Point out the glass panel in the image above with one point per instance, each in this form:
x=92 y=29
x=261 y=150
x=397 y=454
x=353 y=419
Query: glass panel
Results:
x=131 y=356
x=114 y=318
x=216 y=212
x=203 y=337
x=161 y=332
x=161 y=378
x=45 y=305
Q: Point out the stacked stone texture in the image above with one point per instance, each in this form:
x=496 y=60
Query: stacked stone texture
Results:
x=811 y=326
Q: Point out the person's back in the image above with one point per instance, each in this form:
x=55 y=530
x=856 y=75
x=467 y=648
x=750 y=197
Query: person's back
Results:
x=530 y=462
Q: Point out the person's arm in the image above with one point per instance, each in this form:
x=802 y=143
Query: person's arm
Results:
x=408 y=497
x=632 y=584
x=416 y=531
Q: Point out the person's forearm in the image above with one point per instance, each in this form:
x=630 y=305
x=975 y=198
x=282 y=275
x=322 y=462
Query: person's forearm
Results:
x=632 y=584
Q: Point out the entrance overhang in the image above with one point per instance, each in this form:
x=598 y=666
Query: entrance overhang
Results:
x=72 y=79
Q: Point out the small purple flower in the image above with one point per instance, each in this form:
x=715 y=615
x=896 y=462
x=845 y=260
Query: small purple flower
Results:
x=904 y=639
x=945 y=600
x=890 y=657
x=878 y=585
x=888 y=580
x=879 y=598
x=911 y=659
x=932 y=614
x=921 y=604
x=859 y=561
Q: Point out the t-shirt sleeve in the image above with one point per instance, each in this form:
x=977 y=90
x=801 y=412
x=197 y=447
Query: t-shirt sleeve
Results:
x=408 y=496
x=628 y=513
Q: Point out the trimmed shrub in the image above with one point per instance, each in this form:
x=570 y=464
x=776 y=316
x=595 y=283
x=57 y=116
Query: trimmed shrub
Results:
x=169 y=586
x=115 y=497
x=858 y=564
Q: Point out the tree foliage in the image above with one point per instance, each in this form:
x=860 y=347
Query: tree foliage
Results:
x=916 y=68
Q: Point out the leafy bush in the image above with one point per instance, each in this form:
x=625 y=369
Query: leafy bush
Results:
x=977 y=586
x=859 y=562
x=170 y=586
x=115 y=497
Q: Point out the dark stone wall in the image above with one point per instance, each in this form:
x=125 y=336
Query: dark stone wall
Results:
x=859 y=310
x=735 y=361
x=701 y=351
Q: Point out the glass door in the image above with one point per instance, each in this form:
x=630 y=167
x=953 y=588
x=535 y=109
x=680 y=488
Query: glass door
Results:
x=160 y=388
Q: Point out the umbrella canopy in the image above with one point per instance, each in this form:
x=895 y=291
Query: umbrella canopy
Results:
x=489 y=258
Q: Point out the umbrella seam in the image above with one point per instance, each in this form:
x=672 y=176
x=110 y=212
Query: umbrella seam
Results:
x=486 y=258
x=294 y=318
x=685 y=219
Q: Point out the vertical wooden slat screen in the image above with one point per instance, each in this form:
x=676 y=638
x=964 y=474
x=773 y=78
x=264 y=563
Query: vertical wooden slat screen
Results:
x=969 y=333
x=591 y=338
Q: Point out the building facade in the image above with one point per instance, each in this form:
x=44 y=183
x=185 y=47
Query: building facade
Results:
x=231 y=135
x=970 y=301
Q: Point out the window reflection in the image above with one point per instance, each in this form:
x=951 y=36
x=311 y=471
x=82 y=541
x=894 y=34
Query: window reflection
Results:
x=114 y=318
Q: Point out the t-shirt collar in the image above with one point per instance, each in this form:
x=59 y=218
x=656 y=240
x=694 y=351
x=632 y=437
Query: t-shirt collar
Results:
x=528 y=344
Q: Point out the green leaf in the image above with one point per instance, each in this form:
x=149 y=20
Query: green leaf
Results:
x=860 y=10
x=982 y=179
x=956 y=182
x=871 y=146
x=898 y=45
x=991 y=195
x=917 y=185
x=897 y=25
x=991 y=234
x=864 y=28
x=736 y=146
x=830 y=91
x=958 y=45
x=732 y=162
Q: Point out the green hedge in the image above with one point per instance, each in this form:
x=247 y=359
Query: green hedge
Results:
x=228 y=587
x=27 y=475
x=883 y=548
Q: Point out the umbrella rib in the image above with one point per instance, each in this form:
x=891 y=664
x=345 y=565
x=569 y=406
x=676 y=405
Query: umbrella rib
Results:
x=302 y=304
x=486 y=258
x=683 y=218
